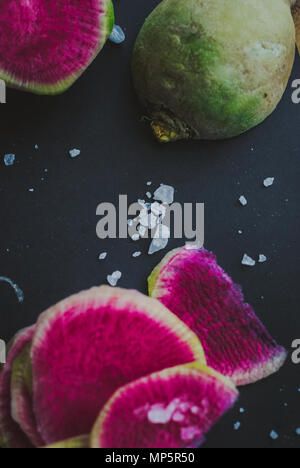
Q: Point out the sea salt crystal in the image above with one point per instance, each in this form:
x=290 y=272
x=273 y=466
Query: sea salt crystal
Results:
x=158 y=414
x=74 y=153
x=240 y=232
x=298 y=431
x=149 y=183
x=165 y=194
x=9 y=159
x=36 y=147
x=248 y=261
x=243 y=201
x=157 y=245
x=114 y=278
x=190 y=433
x=178 y=416
x=262 y=258
x=274 y=435
x=136 y=254
x=117 y=36
x=237 y=425
x=135 y=237
x=149 y=194
x=242 y=410
x=103 y=256
x=269 y=181
x=31 y=190
x=195 y=410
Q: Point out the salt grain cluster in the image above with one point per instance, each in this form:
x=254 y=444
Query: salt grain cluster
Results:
x=151 y=218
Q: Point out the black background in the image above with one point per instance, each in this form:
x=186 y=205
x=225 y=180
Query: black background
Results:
x=48 y=242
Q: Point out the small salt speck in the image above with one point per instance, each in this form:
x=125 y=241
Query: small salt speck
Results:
x=136 y=254
x=269 y=182
x=31 y=190
x=9 y=159
x=262 y=258
x=117 y=36
x=114 y=278
x=149 y=183
x=103 y=256
x=149 y=195
x=165 y=194
x=298 y=431
x=36 y=147
x=240 y=232
x=237 y=425
x=248 y=261
x=242 y=410
x=74 y=153
x=243 y=201
x=262 y=298
x=274 y=435
x=285 y=405
x=135 y=237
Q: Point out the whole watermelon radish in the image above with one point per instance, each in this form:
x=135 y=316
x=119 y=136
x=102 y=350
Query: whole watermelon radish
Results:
x=212 y=69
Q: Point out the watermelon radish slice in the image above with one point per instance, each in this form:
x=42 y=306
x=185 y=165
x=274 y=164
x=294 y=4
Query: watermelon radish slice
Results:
x=173 y=408
x=89 y=345
x=11 y=435
x=190 y=283
x=21 y=397
x=45 y=45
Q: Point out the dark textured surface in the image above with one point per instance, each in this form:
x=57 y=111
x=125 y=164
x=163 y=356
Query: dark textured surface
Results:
x=51 y=235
